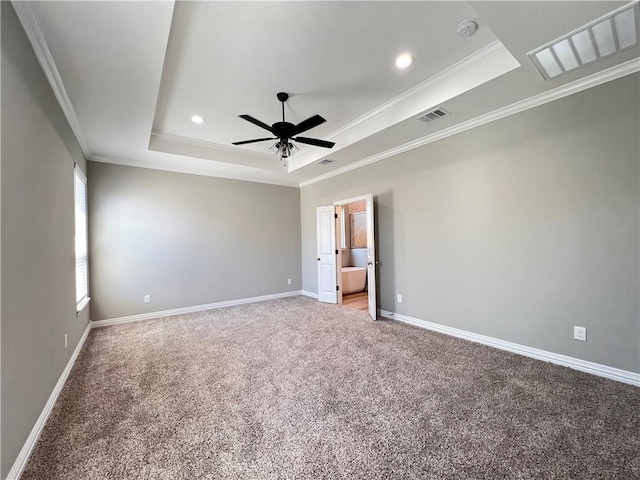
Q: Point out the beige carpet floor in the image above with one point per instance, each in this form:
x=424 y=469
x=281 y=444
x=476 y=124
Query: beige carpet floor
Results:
x=295 y=389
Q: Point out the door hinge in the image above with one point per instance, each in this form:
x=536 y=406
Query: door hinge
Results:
x=336 y=252
x=335 y=215
x=337 y=288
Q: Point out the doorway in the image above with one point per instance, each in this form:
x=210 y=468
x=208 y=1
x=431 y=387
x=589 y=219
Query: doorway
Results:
x=352 y=244
x=346 y=254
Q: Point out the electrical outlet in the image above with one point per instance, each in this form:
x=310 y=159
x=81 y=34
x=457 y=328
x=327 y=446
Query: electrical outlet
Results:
x=580 y=333
x=399 y=299
x=289 y=281
x=65 y=341
x=147 y=299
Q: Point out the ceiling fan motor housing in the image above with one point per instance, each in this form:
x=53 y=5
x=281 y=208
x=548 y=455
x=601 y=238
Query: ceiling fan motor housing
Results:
x=283 y=129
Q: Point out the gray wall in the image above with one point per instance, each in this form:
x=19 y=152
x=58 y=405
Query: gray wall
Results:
x=518 y=230
x=187 y=240
x=38 y=259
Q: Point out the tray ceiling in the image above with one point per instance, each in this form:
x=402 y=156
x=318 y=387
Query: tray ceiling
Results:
x=130 y=75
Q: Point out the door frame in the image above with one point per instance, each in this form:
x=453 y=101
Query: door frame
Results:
x=372 y=289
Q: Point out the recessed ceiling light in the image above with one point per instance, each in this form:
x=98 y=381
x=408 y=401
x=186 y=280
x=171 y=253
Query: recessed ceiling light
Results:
x=197 y=119
x=404 y=60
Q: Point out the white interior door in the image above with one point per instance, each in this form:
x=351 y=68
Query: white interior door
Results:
x=371 y=260
x=327 y=280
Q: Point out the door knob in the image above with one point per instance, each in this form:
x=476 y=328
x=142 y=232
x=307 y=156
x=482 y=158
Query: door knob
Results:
x=318 y=258
x=369 y=263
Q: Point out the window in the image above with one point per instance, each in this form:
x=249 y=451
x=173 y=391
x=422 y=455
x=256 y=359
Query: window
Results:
x=82 y=260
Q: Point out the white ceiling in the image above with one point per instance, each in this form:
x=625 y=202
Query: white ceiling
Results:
x=129 y=75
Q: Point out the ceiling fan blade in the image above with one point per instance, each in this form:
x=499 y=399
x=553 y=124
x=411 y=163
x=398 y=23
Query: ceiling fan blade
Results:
x=314 y=141
x=254 y=140
x=308 y=124
x=257 y=122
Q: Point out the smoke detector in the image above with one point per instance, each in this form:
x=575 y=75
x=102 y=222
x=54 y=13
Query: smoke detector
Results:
x=466 y=28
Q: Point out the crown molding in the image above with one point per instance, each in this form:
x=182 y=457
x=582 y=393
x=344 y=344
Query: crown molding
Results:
x=484 y=54
x=604 y=76
x=491 y=61
x=216 y=147
x=29 y=22
x=207 y=172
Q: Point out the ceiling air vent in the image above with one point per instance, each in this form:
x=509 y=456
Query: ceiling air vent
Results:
x=607 y=35
x=326 y=161
x=432 y=115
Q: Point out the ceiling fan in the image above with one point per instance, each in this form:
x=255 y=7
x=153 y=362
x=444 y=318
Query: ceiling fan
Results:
x=285 y=132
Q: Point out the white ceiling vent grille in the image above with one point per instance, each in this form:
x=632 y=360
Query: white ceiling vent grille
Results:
x=610 y=34
x=433 y=115
x=326 y=161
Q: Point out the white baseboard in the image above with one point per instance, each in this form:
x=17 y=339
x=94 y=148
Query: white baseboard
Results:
x=309 y=294
x=32 y=439
x=195 y=308
x=598 y=369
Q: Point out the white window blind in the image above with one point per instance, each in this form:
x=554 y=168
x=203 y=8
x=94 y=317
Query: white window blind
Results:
x=82 y=261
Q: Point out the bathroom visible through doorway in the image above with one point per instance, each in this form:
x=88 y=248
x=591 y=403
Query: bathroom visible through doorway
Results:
x=352 y=242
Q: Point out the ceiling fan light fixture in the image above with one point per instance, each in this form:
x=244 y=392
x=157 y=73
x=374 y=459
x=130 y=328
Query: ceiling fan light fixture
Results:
x=293 y=150
x=197 y=119
x=287 y=150
x=275 y=148
x=404 y=60
x=284 y=150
